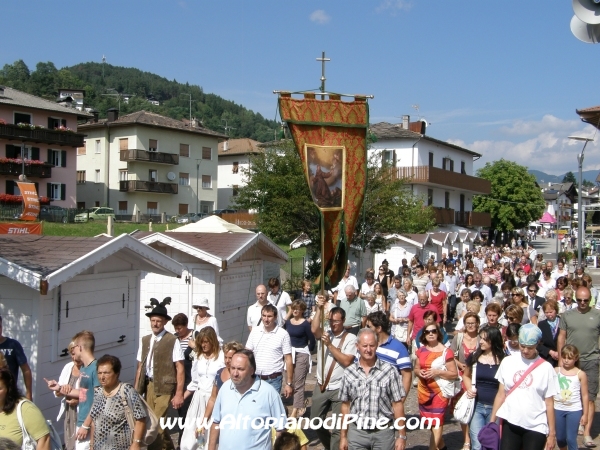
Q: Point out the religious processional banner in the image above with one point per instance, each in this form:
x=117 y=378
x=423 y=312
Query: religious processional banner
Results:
x=331 y=136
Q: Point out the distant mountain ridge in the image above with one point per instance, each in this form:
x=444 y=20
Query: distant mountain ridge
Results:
x=544 y=178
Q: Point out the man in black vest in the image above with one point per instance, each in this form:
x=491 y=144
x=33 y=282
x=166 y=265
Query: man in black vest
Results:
x=160 y=371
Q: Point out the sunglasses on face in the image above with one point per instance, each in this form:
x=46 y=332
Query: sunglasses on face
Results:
x=510 y=319
x=531 y=290
x=431 y=331
x=583 y=300
x=471 y=324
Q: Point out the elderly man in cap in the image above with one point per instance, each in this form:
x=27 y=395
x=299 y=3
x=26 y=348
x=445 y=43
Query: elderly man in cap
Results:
x=160 y=373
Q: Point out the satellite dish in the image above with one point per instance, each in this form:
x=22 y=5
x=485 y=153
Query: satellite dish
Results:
x=585 y=32
x=587 y=11
x=170 y=176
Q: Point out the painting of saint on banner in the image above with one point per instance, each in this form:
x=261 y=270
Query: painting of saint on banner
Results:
x=326 y=175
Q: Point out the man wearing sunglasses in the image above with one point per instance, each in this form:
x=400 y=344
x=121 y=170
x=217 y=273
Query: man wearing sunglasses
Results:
x=532 y=298
x=581 y=327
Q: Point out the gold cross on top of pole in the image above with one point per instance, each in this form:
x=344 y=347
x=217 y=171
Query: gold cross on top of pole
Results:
x=323 y=61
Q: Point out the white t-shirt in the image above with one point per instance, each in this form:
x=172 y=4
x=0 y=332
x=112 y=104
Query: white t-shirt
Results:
x=340 y=289
x=540 y=384
x=366 y=288
x=281 y=302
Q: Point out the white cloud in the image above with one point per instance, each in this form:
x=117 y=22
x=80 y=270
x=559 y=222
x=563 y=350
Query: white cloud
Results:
x=319 y=17
x=540 y=144
x=393 y=6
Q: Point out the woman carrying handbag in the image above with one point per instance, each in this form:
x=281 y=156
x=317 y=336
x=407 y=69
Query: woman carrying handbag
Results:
x=531 y=427
x=487 y=359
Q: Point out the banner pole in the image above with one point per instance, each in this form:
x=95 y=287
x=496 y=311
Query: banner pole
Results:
x=322 y=292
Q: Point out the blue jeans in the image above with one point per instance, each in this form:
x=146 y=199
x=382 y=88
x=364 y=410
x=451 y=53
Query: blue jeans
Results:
x=567 y=424
x=276 y=383
x=481 y=417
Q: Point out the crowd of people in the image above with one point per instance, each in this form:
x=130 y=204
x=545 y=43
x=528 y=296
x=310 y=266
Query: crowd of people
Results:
x=481 y=325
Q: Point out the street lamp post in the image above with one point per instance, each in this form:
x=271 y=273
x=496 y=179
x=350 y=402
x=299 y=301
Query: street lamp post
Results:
x=580 y=219
x=197 y=185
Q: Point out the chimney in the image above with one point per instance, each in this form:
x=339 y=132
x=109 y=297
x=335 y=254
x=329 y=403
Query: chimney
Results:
x=225 y=146
x=112 y=114
x=95 y=114
x=405 y=121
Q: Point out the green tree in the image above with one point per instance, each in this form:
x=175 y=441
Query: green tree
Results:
x=587 y=184
x=277 y=188
x=515 y=200
x=569 y=178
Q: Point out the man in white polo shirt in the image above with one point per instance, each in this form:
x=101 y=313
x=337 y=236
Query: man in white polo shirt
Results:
x=271 y=346
x=253 y=318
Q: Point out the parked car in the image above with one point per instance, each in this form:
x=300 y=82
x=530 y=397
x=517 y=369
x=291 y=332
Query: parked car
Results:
x=51 y=213
x=190 y=217
x=220 y=212
x=97 y=213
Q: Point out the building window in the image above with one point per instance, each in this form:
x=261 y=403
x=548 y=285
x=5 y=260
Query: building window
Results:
x=184 y=150
x=122 y=174
x=54 y=123
x=153 y=175
x=447 y=200
x=236 y=190
x=206 y=207
x=206 y=182
x=124 y=144
x=152 y=208
x=97 y=204
x=183 y=208
x=153 y=145
x=206 y=153
x=97 y=176
x=448 y=164
x=430 y=159
x=387 y=157
x=122 y=207
x=81 y=150
x=429 y=197
x=57 y=158
x=463 y=168
x=81 y=177
x=97 y=147
x=236 y=167
x=22 y=118
x=56 y=191
x=184 y=179
x=80 y=205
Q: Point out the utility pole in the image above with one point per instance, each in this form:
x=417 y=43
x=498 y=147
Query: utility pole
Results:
x=197 y=185
x=190 y=95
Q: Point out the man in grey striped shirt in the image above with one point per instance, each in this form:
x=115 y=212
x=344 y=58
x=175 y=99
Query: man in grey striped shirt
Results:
x=373 y=390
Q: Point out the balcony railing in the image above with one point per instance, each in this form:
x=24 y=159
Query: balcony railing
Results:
x=473 y=219
x=444 y=216
x=153 y=157
x=434 y=176
x=31 y=170
x=148 y=186
x=41 y=135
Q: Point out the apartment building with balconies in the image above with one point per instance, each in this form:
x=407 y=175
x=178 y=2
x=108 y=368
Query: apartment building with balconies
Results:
x=39 y=137
x=145 y=163
x=234 y=158
x=439 y=172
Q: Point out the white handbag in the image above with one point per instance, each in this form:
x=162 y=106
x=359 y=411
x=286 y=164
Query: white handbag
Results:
x=449 y=388
x=465 y=406
x=28 y=442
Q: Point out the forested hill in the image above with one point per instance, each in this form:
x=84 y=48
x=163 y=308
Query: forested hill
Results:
x=214 y=111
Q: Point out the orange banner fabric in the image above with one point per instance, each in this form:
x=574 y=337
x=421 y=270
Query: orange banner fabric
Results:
x=333 y=122
x=31 y=202
x=20 y=228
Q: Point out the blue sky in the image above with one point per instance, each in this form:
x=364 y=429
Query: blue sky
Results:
x=501 y=78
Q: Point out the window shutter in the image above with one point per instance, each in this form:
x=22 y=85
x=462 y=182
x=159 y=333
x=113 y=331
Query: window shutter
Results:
x=63 y=194
x=50 y=123
x=394 y=158
x=63 y=159
x=49 y=156
x=10 y=187
x=49 y=190
x=11 y=151
x=35 y=153
x=37 y=188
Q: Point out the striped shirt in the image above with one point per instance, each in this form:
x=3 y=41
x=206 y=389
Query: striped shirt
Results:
x=269 y=348
x=372 y=395
x=394 y=352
